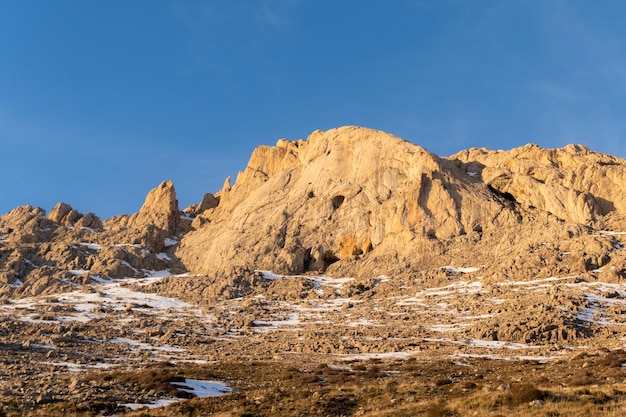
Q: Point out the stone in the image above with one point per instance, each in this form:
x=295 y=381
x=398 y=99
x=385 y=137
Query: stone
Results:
x=159 y=209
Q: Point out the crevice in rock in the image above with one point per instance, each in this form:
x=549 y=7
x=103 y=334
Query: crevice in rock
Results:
x=507 y=196
x=337 y=201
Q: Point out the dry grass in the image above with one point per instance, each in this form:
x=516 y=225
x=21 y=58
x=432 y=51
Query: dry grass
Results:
x=421 y=388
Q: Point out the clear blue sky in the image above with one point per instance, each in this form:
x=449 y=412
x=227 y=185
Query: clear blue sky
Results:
x=102 y=100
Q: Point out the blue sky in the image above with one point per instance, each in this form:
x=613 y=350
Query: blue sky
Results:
x=102 y=100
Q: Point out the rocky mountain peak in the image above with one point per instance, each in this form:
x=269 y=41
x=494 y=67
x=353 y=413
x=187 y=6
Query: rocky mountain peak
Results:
x=159 y=209
x=64 y=214
x=302 y=205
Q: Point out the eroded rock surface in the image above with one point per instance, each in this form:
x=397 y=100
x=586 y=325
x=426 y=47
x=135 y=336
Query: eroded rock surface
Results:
x=42 y=254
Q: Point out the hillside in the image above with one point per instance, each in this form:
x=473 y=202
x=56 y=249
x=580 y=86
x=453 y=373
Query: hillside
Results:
x=353 y=264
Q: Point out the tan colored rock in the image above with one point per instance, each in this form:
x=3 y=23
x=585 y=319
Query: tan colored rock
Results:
x=159 y=209
x=64 y=214
x=572 y=183
x=208 y=202
x=60 y=212
x=300 y=199
x=90 y=220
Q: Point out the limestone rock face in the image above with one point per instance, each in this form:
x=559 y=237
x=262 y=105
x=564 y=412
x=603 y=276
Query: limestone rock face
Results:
x=302 y=205
x=572 y=183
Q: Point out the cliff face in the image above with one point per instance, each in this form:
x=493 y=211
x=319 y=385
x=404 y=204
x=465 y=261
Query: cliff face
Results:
x=371 y=200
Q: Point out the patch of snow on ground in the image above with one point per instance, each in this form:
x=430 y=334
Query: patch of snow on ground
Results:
x=158 y=274
x=163 y=256
x=263 y=325
x=170 y=242
x=154 y=404
x=540 y=359
x=16 y=283
x=123 y=295
x=463 y=270
x=101 y=280
x=544 y=281
x=384 y=355
x=145 y=346
x=202 y=389
x=75 y=367
x=90 y=246
x=199 y=388
x=78 y=271
x=495 y=344
x=319 y=282
x=30 y=263
x=270 y=275
x=462 y=287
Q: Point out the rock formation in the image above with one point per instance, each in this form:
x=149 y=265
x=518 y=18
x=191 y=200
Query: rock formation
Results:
x=351 y=202
x=484 y=254
x=64 y=214
x=40 y=254
x=377 y=203
x=572 y=183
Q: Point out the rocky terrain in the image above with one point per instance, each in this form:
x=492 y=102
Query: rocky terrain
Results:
x=352 y=246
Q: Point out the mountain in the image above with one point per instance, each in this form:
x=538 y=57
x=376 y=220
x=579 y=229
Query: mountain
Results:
x=347 y=202
x=348 y=273
x=354 y=201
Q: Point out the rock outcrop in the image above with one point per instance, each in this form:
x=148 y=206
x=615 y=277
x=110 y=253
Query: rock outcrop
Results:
x=45 y=254
x=160 y=209
x=572 y=183
x=354 y=202
x=64 y=214
x=348 y=193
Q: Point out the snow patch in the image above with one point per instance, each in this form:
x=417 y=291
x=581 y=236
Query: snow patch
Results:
x=75 y=367
x=170 y=242
x=158 y=274
x=383 y=355
x=153 y=404
x=16 y=283
x=540 y=359
x=319 y=282
x=463 y=270
x=145 y=346
x=199 y=388
x=30 y=263
x=90 y=246
x=163 y=256
x=269 y=275
x=202 y=389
